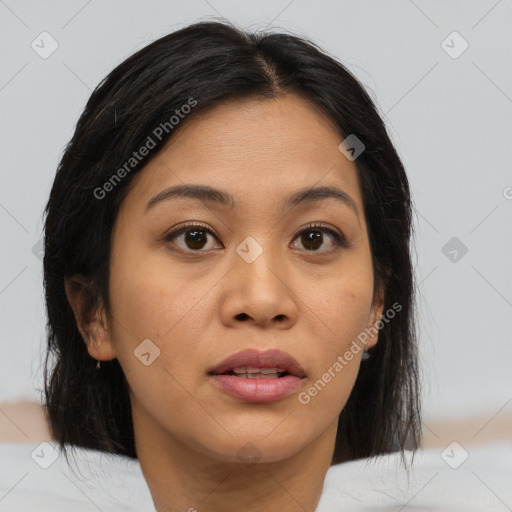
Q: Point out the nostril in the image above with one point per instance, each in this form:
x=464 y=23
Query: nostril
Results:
x=242 y=316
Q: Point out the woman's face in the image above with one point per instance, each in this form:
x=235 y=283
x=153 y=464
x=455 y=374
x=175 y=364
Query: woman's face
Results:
x=246 y=278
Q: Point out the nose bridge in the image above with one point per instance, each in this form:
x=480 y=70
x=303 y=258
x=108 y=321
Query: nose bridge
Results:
x=254 y=258
x=259 y=289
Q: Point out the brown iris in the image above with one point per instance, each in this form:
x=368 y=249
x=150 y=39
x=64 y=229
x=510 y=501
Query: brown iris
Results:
x=312 y=237
x=196 y=239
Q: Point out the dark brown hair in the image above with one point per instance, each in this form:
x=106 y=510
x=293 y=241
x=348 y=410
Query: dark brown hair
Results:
x=212 y=62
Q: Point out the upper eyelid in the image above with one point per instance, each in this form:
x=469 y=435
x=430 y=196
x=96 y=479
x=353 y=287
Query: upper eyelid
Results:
x=321 y=227
x=180 y=229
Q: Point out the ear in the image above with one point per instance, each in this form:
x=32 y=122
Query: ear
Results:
x=91 y=320
x=375 y=315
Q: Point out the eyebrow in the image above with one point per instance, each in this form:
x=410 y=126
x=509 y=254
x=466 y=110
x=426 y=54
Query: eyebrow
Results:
x=223 y=198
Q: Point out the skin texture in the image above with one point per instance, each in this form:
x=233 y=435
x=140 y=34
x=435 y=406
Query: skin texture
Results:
x=308 y=303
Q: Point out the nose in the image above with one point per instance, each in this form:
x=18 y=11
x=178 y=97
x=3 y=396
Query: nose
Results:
x=259 y=293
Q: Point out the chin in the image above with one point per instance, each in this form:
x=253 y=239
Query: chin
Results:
x=250 y=450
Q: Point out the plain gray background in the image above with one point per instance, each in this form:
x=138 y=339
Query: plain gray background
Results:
x=448 y=113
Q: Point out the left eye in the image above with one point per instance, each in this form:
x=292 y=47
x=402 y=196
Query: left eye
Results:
x=195 y=238
x=312 y=238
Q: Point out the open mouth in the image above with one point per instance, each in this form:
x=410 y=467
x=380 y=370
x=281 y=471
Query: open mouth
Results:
x=257 y=373
x=258 y=377
x=253 y=364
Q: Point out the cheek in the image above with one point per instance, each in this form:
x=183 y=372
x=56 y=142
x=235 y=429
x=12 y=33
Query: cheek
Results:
x=339 y=307
x=151 y=307
x=341 y=302
x=337 y=358
x=149 y=301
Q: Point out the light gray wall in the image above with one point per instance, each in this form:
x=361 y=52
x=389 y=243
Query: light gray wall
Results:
x=450 y=119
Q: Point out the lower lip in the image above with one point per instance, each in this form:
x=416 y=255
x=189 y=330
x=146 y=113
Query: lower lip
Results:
x=258 y=390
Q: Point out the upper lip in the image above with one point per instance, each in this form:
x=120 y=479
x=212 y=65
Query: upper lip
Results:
x=257 y=359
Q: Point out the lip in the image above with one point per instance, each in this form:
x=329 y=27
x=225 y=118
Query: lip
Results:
x=257 y=390
x=262 y=389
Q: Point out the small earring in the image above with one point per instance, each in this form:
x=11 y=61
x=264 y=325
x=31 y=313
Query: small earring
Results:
x=98 y=365
x=365 y=356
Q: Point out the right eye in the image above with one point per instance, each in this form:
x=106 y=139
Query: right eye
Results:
x=193 y=237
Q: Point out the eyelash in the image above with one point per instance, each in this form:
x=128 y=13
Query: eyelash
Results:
x=339 y=240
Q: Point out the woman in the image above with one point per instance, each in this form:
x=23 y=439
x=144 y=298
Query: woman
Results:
x=227 y=271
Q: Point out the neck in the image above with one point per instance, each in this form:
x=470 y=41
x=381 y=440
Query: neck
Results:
x=183 y=479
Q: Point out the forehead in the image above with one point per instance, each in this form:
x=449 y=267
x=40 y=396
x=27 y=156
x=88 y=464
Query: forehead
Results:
x=257 y=149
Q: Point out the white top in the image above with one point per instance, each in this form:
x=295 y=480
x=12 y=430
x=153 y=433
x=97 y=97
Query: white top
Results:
x=36 y=477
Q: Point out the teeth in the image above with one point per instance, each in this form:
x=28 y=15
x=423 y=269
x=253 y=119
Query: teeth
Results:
x=250 y=369
x=250 y=372
x=258 y=376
